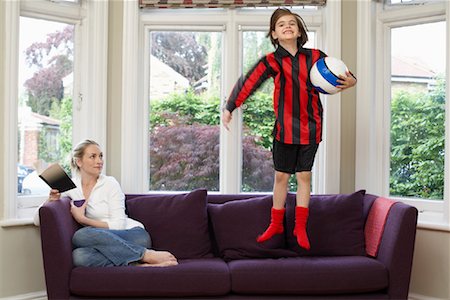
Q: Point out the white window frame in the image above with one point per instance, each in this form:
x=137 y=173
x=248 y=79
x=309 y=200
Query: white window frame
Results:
x=134 y=129
x=90 y=85
x=373 y=105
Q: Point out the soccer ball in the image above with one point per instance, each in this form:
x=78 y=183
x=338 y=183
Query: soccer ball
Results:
x=325 y=73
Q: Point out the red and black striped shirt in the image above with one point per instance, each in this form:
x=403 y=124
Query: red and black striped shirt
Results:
x=296 y=103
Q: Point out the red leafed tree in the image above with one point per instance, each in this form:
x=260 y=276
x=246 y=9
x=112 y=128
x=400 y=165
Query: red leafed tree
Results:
x=187 y=157
x=53 y=60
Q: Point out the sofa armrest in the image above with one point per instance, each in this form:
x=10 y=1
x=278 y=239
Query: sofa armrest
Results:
x=397 y=248
x=57 y=228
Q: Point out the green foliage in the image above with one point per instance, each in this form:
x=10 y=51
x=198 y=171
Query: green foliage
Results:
x=61 y=150
x=259 y=118
x=187 y=108
x=418 y=144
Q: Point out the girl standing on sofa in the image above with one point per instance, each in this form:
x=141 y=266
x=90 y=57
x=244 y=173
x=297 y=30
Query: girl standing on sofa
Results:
x=298 y=111
x=108 y=236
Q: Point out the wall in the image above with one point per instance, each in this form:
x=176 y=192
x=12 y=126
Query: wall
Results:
x=113 y=159
x=348 y=99
x=431 y=265
x=21 y=270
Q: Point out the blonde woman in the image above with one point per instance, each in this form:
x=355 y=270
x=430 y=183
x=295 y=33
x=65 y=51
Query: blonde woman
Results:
x=108 y=236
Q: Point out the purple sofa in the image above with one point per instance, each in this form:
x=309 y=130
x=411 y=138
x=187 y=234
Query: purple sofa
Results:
x=213 y=237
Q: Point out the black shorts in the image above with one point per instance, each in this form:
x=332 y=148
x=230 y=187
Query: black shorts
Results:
x=289 y=158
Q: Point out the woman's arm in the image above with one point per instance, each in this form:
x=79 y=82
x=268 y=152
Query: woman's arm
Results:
x=79 y=215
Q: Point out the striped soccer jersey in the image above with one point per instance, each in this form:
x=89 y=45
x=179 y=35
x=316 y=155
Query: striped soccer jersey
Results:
x=296 y=103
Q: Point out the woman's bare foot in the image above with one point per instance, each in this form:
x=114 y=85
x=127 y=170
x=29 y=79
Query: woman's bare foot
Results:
x=157 y=257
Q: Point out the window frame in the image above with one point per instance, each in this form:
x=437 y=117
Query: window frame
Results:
x=373 y=115
x=90 y=57
x=134 y=130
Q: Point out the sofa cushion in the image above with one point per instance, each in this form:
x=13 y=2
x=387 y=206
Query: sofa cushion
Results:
x=199 y=277
x=308 y=275
x=237 y=224
x=177 y=222
x=335 y=225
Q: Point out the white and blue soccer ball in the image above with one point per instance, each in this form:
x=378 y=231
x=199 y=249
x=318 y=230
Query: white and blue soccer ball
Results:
x=325 y=73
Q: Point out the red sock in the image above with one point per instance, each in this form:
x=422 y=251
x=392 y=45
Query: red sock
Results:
x=301 y=217
x=276 y=225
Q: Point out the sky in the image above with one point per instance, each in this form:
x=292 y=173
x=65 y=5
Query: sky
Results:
x=426 y=42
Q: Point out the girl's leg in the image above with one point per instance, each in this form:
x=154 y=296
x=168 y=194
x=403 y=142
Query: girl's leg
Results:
x=303 y=188
x=277 y=213
x=280 y=189
x=302 y=210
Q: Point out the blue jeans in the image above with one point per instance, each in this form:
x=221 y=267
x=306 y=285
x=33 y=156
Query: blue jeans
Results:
x=99 y=247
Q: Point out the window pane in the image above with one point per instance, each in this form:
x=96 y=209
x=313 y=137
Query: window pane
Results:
x=185 y=70
x=259 y=119
x=45 y=100
x=418 y=111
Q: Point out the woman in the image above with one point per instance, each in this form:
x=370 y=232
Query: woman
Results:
x=108 y=237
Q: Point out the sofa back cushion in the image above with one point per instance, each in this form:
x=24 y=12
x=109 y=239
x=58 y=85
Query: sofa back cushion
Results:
x=176 y=222
x=237 y=224
x=335 y=225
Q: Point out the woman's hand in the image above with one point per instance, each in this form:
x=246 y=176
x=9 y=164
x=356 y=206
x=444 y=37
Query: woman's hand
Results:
x=346 y=81
x=226 y=118
x=54 y=195
x=78 y=213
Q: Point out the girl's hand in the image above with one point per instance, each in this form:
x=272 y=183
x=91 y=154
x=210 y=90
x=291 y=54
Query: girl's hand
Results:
x=54 y=195
x=226 y=118
x=346 y=81
x=78 y=213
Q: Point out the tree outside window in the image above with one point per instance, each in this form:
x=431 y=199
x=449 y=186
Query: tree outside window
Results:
x=45 y=104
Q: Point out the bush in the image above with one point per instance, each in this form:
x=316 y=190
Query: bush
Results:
x=183 y=158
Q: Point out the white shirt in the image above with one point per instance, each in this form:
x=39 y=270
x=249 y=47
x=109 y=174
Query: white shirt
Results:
x=106 y=203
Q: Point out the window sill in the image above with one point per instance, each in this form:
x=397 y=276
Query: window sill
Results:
x=16 y=222
x=432 y=220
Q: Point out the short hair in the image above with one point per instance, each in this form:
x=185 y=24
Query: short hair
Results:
x=78 y=152
x=280 y=12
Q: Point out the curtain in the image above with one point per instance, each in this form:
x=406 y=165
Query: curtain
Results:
x=226 y=3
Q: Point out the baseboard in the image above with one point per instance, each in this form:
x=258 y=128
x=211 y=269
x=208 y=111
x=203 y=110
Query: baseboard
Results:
x=41 y=295
x=414 y=296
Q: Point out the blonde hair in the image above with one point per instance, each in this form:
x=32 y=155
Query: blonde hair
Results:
x=280 y=12
x=78 y=152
